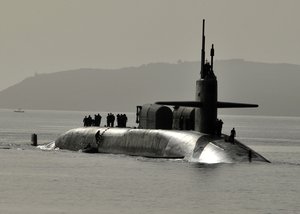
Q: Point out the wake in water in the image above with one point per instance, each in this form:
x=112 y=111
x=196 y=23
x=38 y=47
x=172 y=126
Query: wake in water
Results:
x=49 y=146
x=283 y=163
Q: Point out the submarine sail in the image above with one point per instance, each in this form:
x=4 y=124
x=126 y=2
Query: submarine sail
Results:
x=206 y=103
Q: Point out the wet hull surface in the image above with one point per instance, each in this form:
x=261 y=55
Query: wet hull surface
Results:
x=189 y=145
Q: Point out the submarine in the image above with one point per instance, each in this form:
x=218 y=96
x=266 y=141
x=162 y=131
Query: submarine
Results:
x=188 y=130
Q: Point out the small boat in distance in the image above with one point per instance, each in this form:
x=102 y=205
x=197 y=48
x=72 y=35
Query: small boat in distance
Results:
x=19 y=110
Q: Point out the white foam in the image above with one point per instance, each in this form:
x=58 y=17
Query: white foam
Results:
x=49 y=146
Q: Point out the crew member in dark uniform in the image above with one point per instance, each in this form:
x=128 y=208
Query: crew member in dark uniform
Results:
x=89 y=120
x=112 y=120
x=108 y=120
x=219 y=127
x=118 y=120
x=232 y=135
x=97 y=137
x=85 y=121
x=125 y=120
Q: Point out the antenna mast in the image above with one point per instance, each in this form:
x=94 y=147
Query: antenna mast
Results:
x=203 y=50
x=212 y=54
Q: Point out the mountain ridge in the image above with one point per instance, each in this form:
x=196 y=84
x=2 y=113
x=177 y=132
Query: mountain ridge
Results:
x=271 y=85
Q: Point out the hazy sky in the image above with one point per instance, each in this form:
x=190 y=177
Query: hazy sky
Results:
x=53 y=35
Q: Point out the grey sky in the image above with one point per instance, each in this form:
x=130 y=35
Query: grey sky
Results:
x=53 y=35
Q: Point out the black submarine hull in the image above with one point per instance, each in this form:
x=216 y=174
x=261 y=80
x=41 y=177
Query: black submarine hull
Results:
x=191 y=146
x=157 y=137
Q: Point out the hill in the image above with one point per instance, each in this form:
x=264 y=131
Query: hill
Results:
x=273 y=86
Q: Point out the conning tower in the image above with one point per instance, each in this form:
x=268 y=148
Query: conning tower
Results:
x=206 y=103
x=206 y=93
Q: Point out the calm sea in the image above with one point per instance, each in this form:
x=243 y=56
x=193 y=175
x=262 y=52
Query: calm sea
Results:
x=35 y=181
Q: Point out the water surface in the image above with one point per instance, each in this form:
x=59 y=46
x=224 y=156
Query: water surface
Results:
x=35 y=181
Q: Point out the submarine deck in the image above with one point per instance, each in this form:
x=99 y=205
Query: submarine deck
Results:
x=155 y=143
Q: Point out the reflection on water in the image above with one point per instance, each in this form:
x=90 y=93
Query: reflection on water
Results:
x=207 y=166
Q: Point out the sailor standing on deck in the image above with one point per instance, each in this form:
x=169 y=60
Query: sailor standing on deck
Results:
x=85 y=121
x=112 y=120
x=108 y=120
x=219 y=127
x=232 y=135
x=125 y=120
